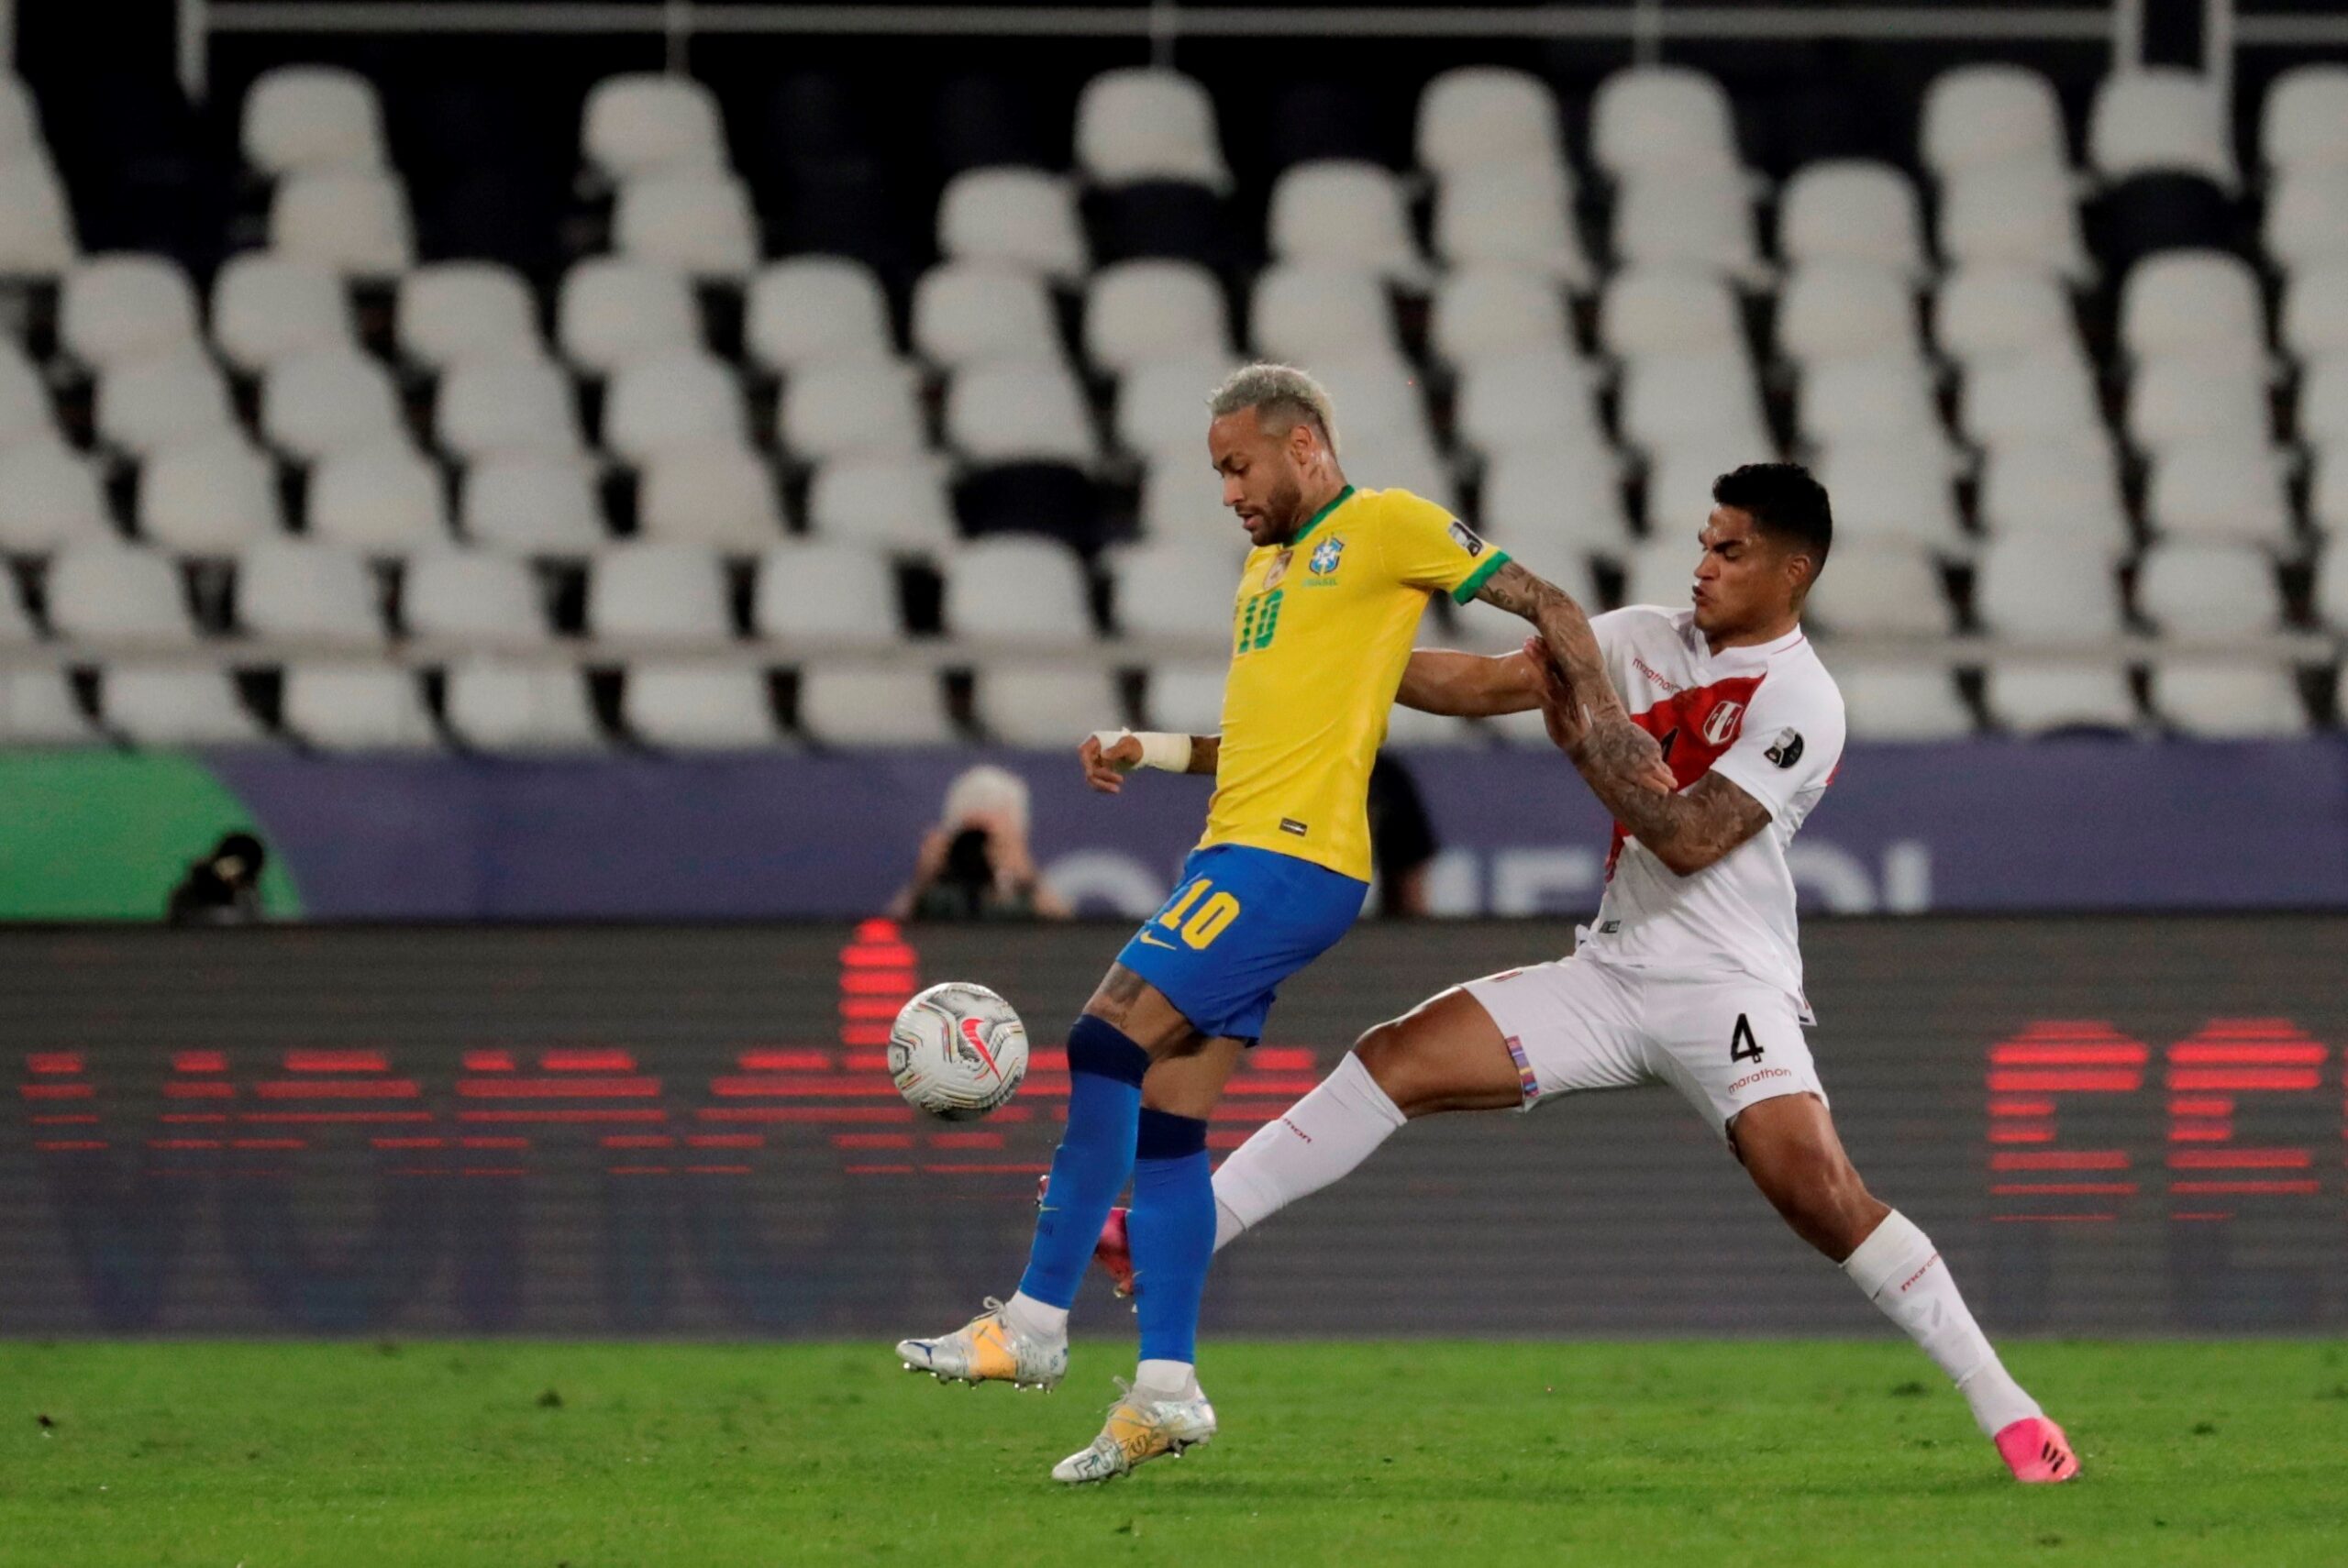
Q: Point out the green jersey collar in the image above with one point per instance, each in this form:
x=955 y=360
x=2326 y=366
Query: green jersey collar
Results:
x=1321 y=516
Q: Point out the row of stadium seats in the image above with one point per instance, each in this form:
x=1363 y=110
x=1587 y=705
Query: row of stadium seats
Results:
x=520 y=706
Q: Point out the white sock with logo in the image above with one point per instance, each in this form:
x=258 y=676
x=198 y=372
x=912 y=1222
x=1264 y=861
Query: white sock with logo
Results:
x=1899 y=1269
x=1319 y=1138
x=1037 y=1320
x=1172 y=1379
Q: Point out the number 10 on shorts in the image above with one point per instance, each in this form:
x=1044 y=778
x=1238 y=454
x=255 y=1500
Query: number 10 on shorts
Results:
x=1200 y=923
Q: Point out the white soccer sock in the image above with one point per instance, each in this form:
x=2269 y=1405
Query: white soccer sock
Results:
x=1322 y=1137
x=1899 y=1269
x=1179 y=1379
x=1037 y=1320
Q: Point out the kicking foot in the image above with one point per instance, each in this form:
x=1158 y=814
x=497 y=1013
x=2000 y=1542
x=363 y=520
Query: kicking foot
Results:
x=1143 y=1425
x=2035 y=1450
x=1112 y=1252
x=989 y=1349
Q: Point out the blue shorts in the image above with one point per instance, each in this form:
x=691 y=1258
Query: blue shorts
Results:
x=1239 y=922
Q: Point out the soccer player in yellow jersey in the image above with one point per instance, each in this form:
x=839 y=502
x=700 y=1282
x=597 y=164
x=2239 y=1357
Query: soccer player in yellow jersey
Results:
x=1328 y=604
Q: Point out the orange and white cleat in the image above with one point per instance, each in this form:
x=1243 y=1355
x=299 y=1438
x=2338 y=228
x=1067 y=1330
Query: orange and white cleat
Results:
x=987 y=1349
x=2035 y=1450
x=1112 y=1252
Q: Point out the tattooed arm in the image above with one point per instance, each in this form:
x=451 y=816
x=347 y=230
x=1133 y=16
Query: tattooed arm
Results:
x=1563 y=628
x=1686 y=829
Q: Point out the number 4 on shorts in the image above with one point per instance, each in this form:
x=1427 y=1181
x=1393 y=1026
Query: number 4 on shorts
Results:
x=1741 y=1046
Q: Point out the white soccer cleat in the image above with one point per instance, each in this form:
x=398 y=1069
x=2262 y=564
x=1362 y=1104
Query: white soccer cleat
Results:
x=989 y=1349
x=1142 y=1426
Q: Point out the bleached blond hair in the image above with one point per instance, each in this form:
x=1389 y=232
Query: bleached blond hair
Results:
x=1281 y=395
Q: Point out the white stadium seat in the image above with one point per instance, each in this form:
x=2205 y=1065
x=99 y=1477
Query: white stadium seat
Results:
x=696 y=220
x=50 y=497
x=266 y=306
x=1881 y=590
x=852 y=407
x=1565 y=497
x=1476 y=116
x=811 y=309
x=883 y=503
x=1854 y=211
x=1043 y=705
x=307 y=592
x=1646 y=311
x=1302 y=312
x=613 y=309
x=36 y=235
x=25 y=413
x=722 y=495
x=2001 y=310
x=354 y=221
x=2059 y=487
x=2030 y=397
x=1379 y=402
x=384 y=498
x=300 y=117
x=172 y=705
x=1152 y=309
x=649 y=592
x=1186 y=699
x=1663 y=570
x=853 y=706
x=2200 y=302
x=1882 y=493
x=148 y=404
x=38 y=709
x=2033 y=697
x=1885 y=398
x=16 y=629
x=2047 y=591
x=968 y=311
x=121 y=307
x=2016 y=214
x=2315 y=312
x=685 y=398
x=210 y=495
x=312 y=405
x=20 y=135
x=104 y=590
x=1539 y=398
x=2220 y=698
x=1342 y=212
x=498 y=705
x=833 y=594
x=2210 y=591
x=450 y=311
x=1842 y=309
x=2323 y=402
x=1019 y=411
x=2182 y=398
x=1017 y=217
x=2306 y=218
x=1161 y=413
x=1483 y=310
x=532 y=505
x=1884 y=701
x=358 y=708
x=1662 y=120
x=472 y=599
x=2160 y=119
x=1512 y=215
x=1174 y=590
x=688 y=707
x=1686 y=219
x=1978 y=117
x=2219 y=488
x=1182 y=501
x=1695 y=400
x=2328 y=493
x=1143 y=123
x=492 y=406
x=2304 y=120
x=641 y=122
x=1022 y=590
x=1678 y=498
x=2332 y=587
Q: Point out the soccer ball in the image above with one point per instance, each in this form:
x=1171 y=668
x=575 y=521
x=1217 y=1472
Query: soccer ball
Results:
x=957 y=1051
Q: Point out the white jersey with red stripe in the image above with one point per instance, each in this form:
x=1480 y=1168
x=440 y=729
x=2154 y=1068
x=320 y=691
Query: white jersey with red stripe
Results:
x=1766 y=718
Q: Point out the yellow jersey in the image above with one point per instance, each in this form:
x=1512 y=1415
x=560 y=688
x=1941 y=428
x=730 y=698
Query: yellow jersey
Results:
x=1321 y=631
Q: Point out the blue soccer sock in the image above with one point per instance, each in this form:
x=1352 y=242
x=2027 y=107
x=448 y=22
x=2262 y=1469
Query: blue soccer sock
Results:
x=1095 y=1155
x=1171 y=1228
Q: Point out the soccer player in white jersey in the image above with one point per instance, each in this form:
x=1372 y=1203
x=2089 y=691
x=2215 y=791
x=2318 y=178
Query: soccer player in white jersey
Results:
x=1690 y=972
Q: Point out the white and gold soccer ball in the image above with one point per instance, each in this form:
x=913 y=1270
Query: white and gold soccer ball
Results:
x=957 y=1051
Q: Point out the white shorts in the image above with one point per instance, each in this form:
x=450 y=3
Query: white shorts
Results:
x=1725 y=1041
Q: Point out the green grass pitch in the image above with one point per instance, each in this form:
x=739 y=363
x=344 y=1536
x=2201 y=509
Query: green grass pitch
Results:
x=531 y=1455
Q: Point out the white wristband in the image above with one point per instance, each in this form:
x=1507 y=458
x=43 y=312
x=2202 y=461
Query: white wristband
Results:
x=1168 y=751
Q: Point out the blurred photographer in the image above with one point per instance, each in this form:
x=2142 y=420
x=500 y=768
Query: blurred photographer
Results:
x=222 y=888
x=975 y=864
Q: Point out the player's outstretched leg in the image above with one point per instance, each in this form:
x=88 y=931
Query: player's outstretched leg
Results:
x=1790 y=1146
x=1024 y=1341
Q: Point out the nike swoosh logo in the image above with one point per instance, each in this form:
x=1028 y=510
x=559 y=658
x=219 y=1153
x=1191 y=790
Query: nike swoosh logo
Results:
x=977 y=1043
x=1149 y=941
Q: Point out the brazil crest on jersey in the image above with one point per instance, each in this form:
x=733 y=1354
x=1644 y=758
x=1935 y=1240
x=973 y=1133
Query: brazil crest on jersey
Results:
x=1321 y=631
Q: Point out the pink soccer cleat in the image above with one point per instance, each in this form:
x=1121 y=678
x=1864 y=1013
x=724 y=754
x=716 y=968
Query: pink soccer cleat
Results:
x=1112 y=1252
x=2035 y=1450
